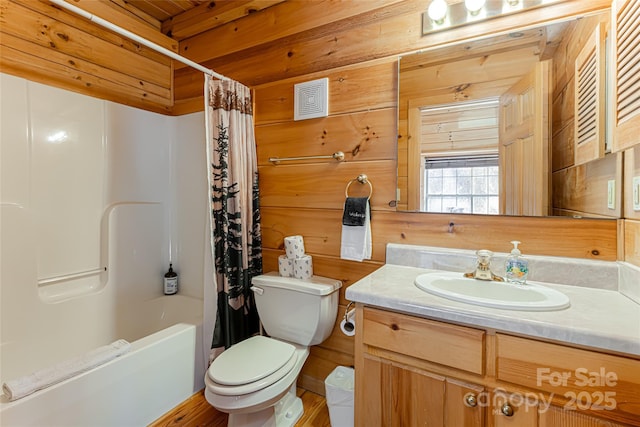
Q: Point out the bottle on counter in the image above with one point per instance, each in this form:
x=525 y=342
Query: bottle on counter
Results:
x=516 y=266
x=170 y=281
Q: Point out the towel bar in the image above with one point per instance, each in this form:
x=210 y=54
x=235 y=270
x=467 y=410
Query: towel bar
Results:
x=362 y=179
x=338 y=155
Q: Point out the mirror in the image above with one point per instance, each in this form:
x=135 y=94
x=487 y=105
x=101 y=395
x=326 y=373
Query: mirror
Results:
x=486 y=126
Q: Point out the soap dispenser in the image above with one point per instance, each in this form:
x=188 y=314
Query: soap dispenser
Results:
x=516 y=267
x=170 y=281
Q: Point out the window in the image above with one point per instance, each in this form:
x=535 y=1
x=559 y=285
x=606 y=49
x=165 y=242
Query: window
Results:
x=465 y=184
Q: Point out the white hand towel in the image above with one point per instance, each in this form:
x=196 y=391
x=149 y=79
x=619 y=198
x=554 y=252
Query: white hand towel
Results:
x=23 y=386
x=356 y=239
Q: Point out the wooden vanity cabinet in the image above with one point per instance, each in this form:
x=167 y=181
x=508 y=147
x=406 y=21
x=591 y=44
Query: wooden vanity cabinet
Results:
x=402 y=395
x=399 y=387
x=412 y=371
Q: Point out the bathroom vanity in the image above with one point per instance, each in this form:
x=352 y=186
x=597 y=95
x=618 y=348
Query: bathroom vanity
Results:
x=422 y=359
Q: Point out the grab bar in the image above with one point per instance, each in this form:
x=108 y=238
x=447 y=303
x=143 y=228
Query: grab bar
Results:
x=71 y=276
x=338 y=155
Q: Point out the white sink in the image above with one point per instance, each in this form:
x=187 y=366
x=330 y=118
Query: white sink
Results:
x=528 y=297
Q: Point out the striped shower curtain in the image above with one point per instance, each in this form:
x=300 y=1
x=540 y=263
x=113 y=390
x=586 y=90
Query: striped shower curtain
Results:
x=236 y=242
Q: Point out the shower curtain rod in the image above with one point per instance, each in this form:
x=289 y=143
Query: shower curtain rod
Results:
x=137 y=38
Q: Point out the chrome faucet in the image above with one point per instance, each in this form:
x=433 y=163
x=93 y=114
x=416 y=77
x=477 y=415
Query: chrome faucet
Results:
x=483 y=270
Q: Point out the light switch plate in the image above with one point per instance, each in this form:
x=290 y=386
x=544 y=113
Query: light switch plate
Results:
x=611 y=194
x=636 y=193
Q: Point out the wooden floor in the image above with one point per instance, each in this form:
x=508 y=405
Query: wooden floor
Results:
x=197 y=412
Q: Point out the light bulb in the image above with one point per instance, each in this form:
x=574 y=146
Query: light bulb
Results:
x=437 y=11
x=474 y=6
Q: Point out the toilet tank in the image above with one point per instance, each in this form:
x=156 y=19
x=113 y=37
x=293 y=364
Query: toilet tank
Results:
x=296 y=310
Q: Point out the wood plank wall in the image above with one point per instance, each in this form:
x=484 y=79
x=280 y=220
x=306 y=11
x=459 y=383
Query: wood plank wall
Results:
x=43 y=43
x=306 y=197
x=578 y=190
x=355 y=45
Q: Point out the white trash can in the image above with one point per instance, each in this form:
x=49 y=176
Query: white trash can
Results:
x=339 y=389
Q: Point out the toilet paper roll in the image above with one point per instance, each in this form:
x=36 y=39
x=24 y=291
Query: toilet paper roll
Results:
x=285 y=266
x=294 y=247
x=348 y=324
x=303 y=267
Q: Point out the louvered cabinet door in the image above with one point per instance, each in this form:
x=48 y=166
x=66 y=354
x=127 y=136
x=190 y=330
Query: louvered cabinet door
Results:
x=626 y=15
x=590 y=87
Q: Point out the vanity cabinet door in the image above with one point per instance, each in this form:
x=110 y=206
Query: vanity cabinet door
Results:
x=400 y=395
x=397 y=395
x=513 y=409
x=464 y=404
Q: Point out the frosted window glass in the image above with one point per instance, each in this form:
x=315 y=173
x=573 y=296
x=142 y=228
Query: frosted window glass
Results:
x=434 y=204
x=462 y=189
x=435 y=186
x=480 y=205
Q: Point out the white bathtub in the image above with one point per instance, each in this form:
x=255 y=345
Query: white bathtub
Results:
x=164 y=367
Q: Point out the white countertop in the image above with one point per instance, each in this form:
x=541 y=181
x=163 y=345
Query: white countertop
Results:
x=598 y=318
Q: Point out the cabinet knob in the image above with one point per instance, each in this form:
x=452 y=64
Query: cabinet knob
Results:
x=470 y=400
x=507 y=410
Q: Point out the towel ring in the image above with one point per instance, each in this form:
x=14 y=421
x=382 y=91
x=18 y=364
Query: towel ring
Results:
x=362 y=179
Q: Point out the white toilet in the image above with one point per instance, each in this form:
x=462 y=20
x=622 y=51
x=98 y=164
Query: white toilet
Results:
x=254 y=381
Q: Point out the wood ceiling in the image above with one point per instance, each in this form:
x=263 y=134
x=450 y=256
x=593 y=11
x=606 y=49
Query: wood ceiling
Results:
x=180 y=19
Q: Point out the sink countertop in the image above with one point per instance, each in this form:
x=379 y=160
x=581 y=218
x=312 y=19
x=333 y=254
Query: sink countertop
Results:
x=598 y=318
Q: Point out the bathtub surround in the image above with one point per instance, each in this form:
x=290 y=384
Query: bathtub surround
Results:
x=153 y=166
x=236 y=240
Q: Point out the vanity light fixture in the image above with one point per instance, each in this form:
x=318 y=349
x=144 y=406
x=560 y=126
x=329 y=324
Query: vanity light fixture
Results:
x=446 y=14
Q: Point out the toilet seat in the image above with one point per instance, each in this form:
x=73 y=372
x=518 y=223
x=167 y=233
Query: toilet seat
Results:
x=251 y=365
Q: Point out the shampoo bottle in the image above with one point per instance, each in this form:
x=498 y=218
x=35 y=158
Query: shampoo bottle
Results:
x=516 y=267
x=170 y=282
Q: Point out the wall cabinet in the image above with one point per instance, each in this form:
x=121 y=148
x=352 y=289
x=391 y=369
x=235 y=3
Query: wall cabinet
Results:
x=412 y=371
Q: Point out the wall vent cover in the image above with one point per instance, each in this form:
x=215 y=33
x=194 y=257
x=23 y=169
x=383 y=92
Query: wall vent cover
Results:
x=311 y=99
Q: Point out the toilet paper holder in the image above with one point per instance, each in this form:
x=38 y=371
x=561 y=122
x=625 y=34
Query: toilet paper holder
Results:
x=348 y=324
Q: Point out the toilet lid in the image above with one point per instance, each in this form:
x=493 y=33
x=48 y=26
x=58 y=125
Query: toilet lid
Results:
x=251 y=360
